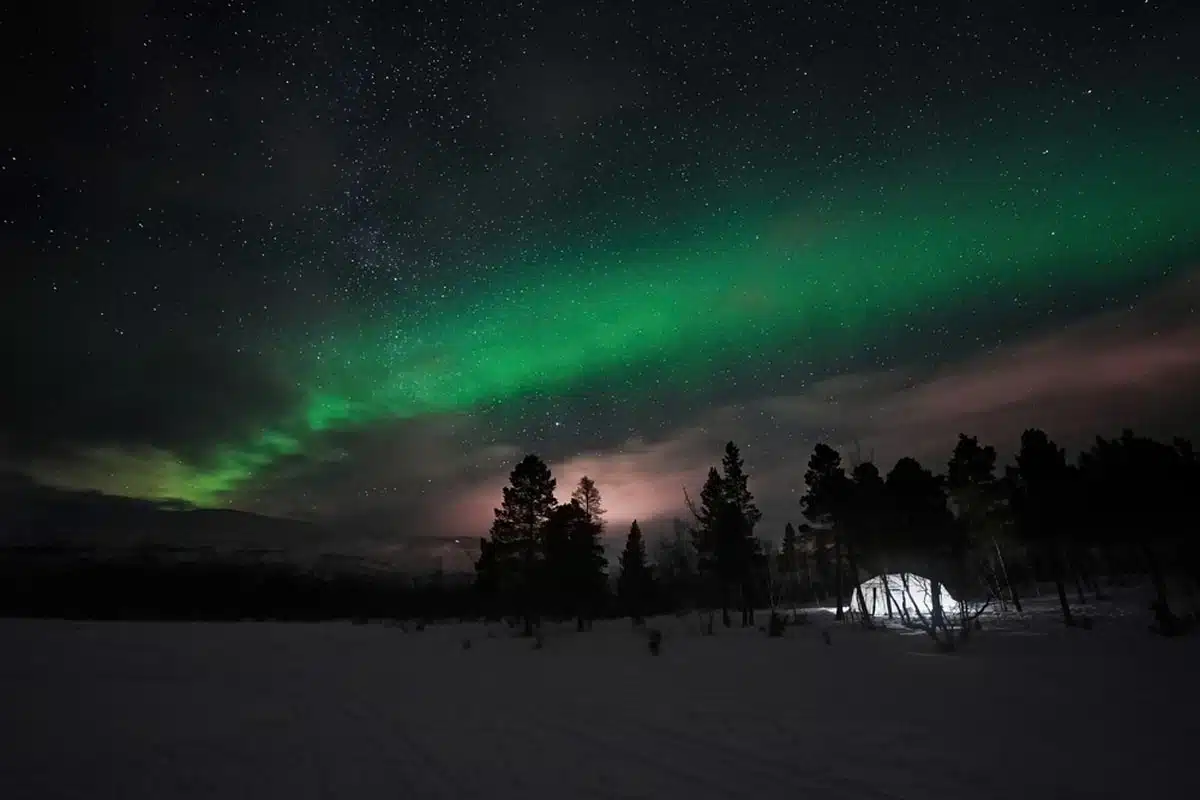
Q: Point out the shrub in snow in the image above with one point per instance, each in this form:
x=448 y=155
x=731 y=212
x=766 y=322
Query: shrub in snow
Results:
x=654 y=639
x=911 y=597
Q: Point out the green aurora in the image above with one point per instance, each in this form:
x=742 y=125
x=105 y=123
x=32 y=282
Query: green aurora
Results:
x=1022 y=217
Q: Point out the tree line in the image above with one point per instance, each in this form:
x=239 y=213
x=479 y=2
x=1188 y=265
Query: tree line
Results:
x=988 y=533
x=984 y=533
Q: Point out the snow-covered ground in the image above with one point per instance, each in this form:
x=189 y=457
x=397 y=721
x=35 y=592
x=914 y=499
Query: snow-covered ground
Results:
x=257 y=710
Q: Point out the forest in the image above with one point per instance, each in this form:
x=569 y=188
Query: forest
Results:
x=1118 y=515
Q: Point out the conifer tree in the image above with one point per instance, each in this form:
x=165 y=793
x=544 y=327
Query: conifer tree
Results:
x=1040 y=487
x=633 y=583
x=517 y=546
x=824 y=505
x=742 y=550
x=574 y=573
x=588 y=497
x=724 y=532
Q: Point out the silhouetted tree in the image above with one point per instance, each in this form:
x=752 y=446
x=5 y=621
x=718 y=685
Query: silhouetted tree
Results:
x=723 y=535
x=977 y=498
x=789 y=563
x=633 y=583
x=487 y=574
x=1041 y=488
x=743 y=550
x=921 y=522
x=705 y=532
x=675 y=566
x=516 y=536
x=824 y=505
x=575 y=565
x=588 y=497
x=1136 y=491
x=865 y=523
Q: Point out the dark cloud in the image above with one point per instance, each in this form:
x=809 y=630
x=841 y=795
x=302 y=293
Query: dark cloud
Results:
x=177 y=396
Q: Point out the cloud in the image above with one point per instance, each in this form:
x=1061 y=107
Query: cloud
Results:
x=173 y=396
x=441 y=476
x=1138 y=367
x=394 y=479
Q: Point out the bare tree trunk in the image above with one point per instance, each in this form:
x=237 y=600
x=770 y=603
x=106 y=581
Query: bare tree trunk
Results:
x=837 y=574
x=1162 y=609
x=747 y=608
x=907 y=595
x=1016 y=601
x=1058 y=565
x=862 y=605
x=1012 y=591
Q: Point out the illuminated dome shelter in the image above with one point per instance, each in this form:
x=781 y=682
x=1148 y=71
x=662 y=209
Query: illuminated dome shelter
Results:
x=918 y=597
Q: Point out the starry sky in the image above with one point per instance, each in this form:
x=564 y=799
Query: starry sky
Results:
x=350 y=261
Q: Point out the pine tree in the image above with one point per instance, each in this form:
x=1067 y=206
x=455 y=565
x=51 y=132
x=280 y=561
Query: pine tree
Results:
x=487 y=574
x=865 y=524
x=919 y=519
x=1039 y=488
x=824 y=505
x=976 y=494
x=588 y=497
x=633 y=584
x=742 y=550
x=724 y=532
x=575 y=567
x=517 y=546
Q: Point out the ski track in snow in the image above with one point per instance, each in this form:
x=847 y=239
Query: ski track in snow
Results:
x=260 y=710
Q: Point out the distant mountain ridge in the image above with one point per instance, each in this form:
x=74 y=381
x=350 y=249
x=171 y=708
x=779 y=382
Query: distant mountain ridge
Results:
x=46 y=522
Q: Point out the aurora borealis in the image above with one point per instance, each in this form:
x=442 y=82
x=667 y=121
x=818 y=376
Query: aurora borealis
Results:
x=349 y=263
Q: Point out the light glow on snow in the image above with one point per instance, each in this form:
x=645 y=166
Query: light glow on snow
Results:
x=910 y=594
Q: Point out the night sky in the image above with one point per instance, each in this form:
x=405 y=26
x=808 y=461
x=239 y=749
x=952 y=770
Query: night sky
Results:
x=350 y=262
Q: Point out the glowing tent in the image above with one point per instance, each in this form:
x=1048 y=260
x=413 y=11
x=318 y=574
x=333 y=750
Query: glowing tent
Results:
x=910 y=593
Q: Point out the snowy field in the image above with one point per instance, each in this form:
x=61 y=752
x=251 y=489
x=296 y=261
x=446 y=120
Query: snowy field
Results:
x=260 y=710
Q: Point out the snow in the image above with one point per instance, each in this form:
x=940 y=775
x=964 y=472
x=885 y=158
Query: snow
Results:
x=262 y=710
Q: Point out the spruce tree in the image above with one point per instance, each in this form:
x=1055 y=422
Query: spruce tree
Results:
x=1040 y=503
x=517 y=546
x=920 y=521
x=742 y=550
x=824 y=505
x=724 y=532
x=589 y=567
x=710 y=541
x=575 y=566
x=633 y=583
